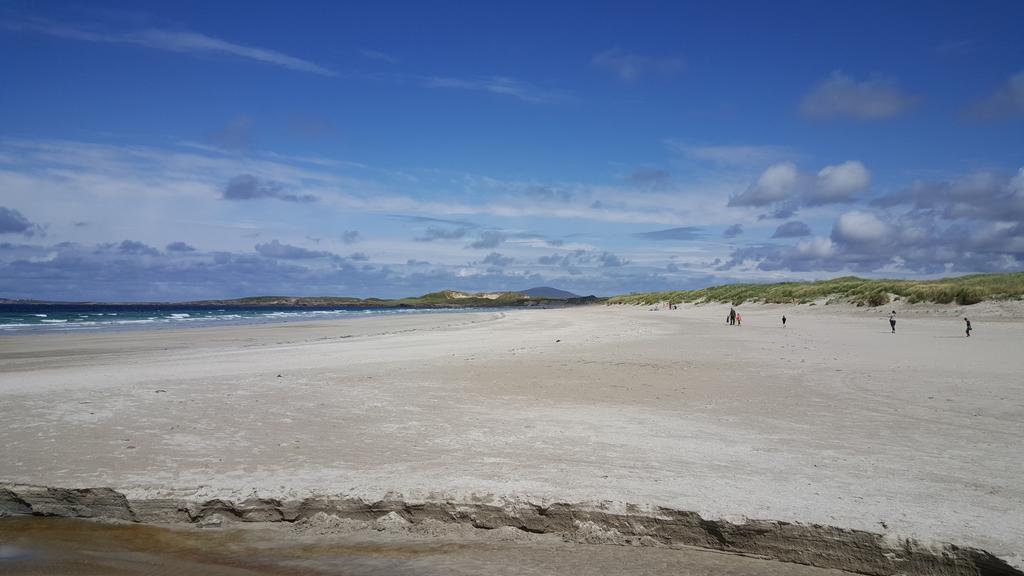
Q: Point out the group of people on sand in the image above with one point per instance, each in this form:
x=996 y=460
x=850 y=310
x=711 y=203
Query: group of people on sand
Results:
x=892 y=323
x=734 y=318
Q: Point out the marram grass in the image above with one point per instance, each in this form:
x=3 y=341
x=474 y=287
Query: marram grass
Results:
x=963 y=290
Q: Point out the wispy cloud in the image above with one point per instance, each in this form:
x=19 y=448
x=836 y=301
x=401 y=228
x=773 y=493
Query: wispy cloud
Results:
x=181 y=41
x=958 y=47
x=740 y=155
x=680 y=233
x=378 y=56
x=500 y=85
x=840 y=96
x=629 y=67
x=1006 y=102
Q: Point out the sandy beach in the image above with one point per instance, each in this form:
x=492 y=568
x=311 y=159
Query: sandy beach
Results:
x=831 y=420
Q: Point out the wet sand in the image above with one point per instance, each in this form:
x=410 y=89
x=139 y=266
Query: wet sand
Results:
x=830 y=421
x=38 y=547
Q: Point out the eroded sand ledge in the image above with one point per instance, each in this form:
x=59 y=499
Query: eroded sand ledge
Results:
x=906 y=440
x=605 y=523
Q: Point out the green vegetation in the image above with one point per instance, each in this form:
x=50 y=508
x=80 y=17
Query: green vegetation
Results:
x=963 y=290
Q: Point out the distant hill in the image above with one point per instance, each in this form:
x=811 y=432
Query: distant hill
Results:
x=548 y=292
x=964 y=290
x=442 y=299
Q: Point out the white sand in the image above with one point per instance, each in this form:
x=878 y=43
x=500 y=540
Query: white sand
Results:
x=832 y=420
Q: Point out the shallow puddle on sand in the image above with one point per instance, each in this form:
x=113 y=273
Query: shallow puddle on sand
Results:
x=31 y=546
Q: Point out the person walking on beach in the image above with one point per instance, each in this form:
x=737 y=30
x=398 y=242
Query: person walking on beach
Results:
x=968 y=326
x=892 y=321
x=783 y=320
x=732 y=316
x=739 y=319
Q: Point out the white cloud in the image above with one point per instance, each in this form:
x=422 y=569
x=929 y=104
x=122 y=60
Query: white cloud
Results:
x=841 y=96
x=859 y=227
x=774 y=185
x=838 y=183
x=817 y=247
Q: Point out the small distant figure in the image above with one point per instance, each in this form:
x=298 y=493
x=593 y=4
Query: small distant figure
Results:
x=783 y=320
x=892 y=321
x=968 y=322
x=739 y=319
x=732 y=316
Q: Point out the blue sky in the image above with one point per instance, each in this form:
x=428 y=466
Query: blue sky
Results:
x=198 y=150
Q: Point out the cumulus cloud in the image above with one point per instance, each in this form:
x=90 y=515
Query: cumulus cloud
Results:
x=14 y=222
x=930 y=240
x=609 y=260
x=982 y=195
x=817 y=247
x=134 y=247
x=774 y=185
x=496 y=259
x=787 y=188
x=489 y=239
x=1006 y=102
x=781 y=211
x=179 y=247
x=629 y=67
x=680 y=233
x=249 y=187
x=792 y=229
x=840 y=96
x=733 y=231
x=858 y=227
x=436 y=233
x=275 y=249
x=358 y=257
x=350 y=236
x=573 y=261
x=839 y=183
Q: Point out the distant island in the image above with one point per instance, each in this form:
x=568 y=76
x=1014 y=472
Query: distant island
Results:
x=962 y=290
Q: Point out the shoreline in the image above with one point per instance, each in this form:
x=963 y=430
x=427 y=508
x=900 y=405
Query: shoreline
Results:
x=829 y=422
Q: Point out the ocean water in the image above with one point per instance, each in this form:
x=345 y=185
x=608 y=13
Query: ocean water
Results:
x=34 y=318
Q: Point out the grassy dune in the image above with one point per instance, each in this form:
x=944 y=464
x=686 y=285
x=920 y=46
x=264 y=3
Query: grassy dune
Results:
x=962 y=290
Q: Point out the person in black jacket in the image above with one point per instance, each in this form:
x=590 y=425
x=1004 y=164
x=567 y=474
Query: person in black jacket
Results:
x=968 y=327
